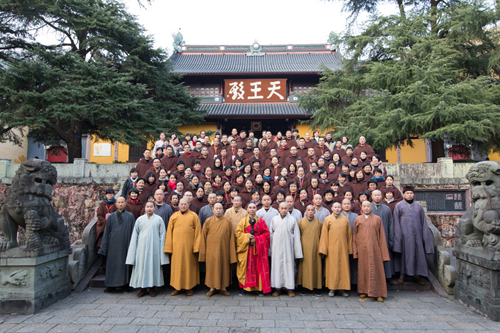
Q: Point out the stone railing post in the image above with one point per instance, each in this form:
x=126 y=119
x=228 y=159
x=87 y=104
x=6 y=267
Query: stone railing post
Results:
x=79 y=167
x=446 y=167
x=4 y=168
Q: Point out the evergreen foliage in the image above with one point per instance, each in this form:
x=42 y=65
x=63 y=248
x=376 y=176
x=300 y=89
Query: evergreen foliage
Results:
x=103 y=77
x=406 y=78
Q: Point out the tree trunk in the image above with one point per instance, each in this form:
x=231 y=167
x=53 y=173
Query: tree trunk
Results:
x=401 y=9
x=434 y=5
x=74 y=148
x=437 y=149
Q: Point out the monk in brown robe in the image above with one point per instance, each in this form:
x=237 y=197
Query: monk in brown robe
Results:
x=336 y=246
x=370 y=248
x=218 y=250
x=183 y=243
x=310 y=271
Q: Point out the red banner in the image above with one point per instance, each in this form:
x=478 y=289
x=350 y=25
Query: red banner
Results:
x=255 y=90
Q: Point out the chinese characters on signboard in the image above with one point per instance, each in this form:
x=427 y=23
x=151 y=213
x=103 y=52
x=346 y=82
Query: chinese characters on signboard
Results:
x=255 y=90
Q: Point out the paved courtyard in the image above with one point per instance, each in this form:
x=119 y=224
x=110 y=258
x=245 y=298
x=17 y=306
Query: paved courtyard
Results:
x=95 y=311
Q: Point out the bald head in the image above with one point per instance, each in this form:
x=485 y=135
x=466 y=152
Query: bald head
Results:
x=336 y=208
x=283 y=209
x=377 y=197
x=183 y=205
x=120 y=203
x=366 y=207
x=317 y=200
x=218 y=210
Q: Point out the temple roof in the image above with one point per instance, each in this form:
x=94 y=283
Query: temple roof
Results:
x=260 y=110
x=293 y=62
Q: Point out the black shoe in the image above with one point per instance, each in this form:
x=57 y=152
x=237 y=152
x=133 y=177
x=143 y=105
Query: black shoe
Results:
x=126 y=289
x=304 y=292
x=317 y=292
x=110 y=290
x=261 y=294
x=243 y=292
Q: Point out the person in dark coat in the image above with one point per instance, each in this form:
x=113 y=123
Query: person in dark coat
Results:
x=134 y=204
x=114 y=247
x=130 y=182
x=412 y=238
x=106 y=207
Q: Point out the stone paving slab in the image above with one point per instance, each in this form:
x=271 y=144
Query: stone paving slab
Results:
x=402 y=311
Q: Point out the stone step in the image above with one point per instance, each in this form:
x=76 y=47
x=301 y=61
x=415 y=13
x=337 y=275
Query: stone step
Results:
x=98 y=281
x=409 y=286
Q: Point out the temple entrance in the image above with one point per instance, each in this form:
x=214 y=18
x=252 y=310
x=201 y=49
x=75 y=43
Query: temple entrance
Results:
x=257 y=125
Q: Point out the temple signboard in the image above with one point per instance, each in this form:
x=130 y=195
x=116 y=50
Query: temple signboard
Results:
x=255 y=90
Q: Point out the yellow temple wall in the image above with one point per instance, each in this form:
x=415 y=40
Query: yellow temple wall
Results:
x=122 y=155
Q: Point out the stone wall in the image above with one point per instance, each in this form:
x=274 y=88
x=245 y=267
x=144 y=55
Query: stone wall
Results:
x=76 y=203
x=81 y=187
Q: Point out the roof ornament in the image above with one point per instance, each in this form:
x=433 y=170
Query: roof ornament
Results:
x=333 y=40
x=178 y=41
x=255 y=50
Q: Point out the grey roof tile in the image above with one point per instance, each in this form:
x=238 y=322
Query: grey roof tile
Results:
x=269 y=63
x=253 y=109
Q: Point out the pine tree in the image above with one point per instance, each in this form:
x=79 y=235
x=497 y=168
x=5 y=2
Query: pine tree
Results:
x=404 y=79
x=103 y=77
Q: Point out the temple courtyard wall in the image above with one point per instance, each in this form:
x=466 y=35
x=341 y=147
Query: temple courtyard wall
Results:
x=81 y=186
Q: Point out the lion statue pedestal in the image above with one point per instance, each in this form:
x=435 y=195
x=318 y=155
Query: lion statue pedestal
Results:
x=477 y=246
x=35 y=275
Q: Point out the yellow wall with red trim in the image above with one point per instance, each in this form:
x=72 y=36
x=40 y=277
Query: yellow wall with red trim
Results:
x=123 y=149
x=121 y=157
x=417 y=154
x=304 y=128
x=494 y=157
x=196 y=129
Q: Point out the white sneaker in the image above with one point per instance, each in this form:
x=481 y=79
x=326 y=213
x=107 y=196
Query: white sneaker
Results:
x=331 y=293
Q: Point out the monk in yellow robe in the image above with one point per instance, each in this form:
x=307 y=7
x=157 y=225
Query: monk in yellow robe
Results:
x=336 y=246
x=218 y=250
x=252 y=248
x=183 y=243
x=310 y=271
x=236 y=213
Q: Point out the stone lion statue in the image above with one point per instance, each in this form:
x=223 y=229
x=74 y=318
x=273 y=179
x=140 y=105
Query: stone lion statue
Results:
x=480 y=225
x=28 y=204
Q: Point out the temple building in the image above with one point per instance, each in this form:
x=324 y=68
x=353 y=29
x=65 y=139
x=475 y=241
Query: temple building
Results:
x=252 y=87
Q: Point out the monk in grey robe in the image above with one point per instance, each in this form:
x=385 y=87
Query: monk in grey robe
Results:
x=285 y=248
x=295 y=213
x=385 y=214
x=207 y=210
x=145 y=252
x=412 y=238
x=161 y=208
x=114 y=246
x=320 y=212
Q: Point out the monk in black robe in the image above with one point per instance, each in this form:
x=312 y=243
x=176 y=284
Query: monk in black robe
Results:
x=114 y=247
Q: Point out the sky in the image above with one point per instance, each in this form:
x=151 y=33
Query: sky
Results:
x=230 y=22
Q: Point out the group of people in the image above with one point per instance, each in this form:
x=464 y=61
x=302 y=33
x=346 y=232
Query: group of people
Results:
x=286 y=211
